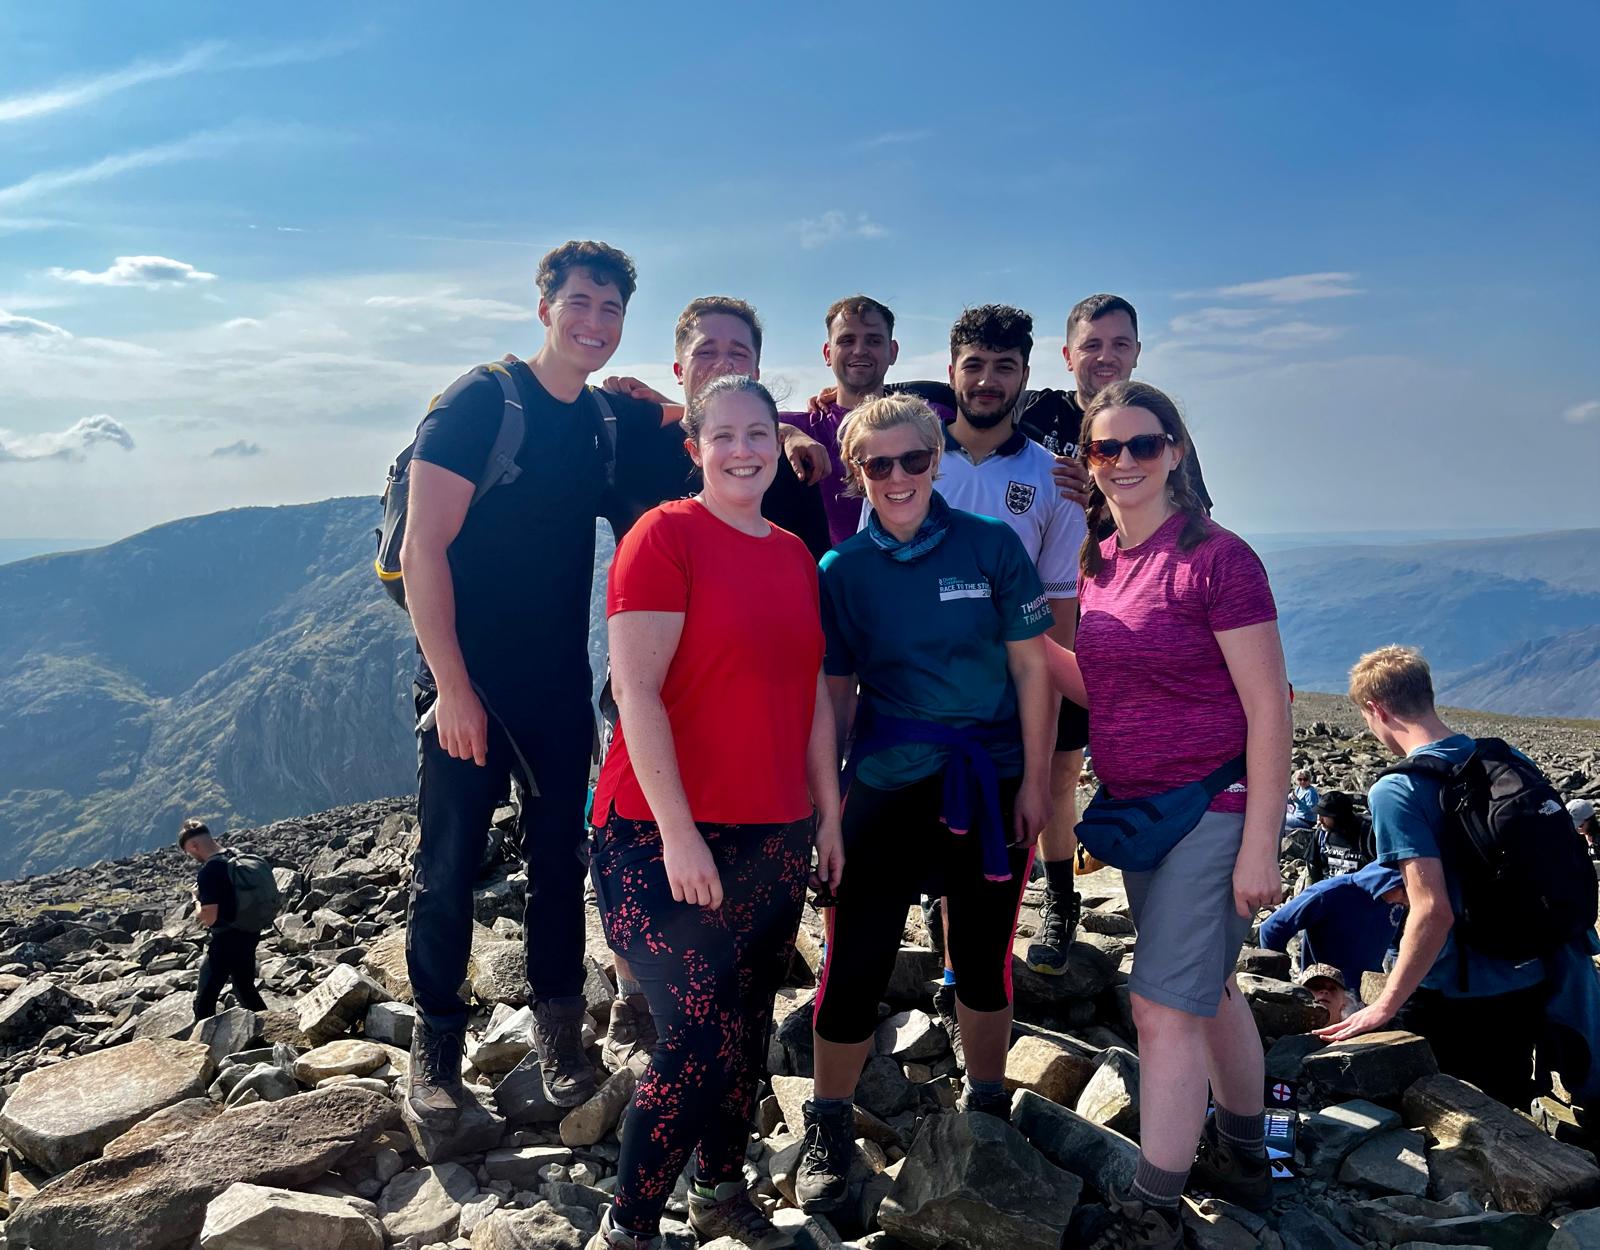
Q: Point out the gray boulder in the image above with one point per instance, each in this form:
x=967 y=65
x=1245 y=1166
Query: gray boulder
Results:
x=259 y=1217
x=542 y=1226
x=1379 y=1067
x=423 y=1205
x=1099 y=1155
x=1111 y=1097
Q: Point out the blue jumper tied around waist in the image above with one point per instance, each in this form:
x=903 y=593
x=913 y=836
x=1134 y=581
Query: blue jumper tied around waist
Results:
x=971 y=782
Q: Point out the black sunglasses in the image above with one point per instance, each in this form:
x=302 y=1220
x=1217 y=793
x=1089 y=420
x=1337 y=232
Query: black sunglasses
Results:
x=1140 y=446
x=913 y=462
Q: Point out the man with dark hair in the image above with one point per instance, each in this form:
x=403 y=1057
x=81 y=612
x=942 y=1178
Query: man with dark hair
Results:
x=230 y=951
x=499 y=597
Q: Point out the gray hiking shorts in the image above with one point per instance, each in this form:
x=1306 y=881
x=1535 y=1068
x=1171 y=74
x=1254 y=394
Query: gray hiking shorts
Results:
x=1189 y=932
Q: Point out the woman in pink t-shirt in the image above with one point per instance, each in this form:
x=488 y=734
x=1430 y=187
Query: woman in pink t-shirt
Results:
x=1180 y=665
x=722 y=775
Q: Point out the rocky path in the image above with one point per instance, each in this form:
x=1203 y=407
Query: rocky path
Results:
x=128 y=1125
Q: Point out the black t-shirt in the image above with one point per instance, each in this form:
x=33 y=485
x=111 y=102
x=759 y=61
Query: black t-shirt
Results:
x=214 y=885
x=1051 y=418
x=652 y=467
x=523 y=564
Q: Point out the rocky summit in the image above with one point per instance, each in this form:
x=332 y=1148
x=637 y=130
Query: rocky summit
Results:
x=129 y=1125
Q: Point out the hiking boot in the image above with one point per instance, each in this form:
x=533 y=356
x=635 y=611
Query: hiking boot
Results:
x=610 y=1237
x=933 y=918
x=1058 y=929
x=728 y=1211
x=1131 y=1225
x=1224 y=1170
x=823 y=1181
x=434 y=1092
x=997 y=1105
x=630 y=1036
x=944 y=1003
x=558 y=1041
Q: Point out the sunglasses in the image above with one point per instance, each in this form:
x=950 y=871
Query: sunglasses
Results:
x=1141 y=447
x=913 y=462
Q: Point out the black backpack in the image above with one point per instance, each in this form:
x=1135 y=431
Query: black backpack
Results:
x=501 y=467
x=1527 y=885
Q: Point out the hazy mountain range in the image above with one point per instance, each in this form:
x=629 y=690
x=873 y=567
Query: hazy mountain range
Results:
x=245 y=667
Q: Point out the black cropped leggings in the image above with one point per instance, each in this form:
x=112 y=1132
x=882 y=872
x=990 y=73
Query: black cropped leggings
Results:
x=897 y=847
x=710 y=977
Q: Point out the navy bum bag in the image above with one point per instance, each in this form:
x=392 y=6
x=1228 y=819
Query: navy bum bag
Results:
x=1135 y=835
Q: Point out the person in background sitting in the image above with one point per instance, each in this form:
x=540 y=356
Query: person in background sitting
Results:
x=1583 y=820
x=1302 y=810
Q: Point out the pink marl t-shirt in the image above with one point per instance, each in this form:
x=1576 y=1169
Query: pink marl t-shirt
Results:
x=1163 y=710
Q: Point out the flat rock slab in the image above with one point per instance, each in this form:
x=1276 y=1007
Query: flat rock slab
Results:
x=1397 y=1220
x=973 y=1181
x=1379 y=1067
x=540 y=1227
x=345 y=1057
x=1327 y=1136
x=259 y=1217
x=1057 y=1072
x=338 y=1004
x=424 y=1204
x=156 y=1198
x=1578 y=1231
x=475 y=1129
x=1099 y=1155
x=233 y=1030
x=1520 y=1167
x=173 y=1016
x=32 y=1009
x=62 y=1115
x=1111 y=1096
x=588 y=1123
x=1391 y=1163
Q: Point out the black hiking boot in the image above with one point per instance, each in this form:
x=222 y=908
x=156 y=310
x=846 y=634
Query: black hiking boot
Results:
x=997 y=1105
x=434 y=1092
x=944 y=1003
x=1225 y=1171
x=1058 y=929
x=609 y=1237
x=823 y=1182
x=558 y=1040
x=1131 y=1225
x=727 y=1210
x=630 y=1036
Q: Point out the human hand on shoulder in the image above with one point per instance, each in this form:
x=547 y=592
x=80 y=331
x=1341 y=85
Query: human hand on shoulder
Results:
x=1072 y=479
x=822 y=400
x=808 y=458
x=633 y=388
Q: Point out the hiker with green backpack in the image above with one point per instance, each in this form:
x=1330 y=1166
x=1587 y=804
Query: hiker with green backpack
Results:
x=236 y=897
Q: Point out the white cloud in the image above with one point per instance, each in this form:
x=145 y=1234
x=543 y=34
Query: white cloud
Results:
x=69 y=444
x=211 y=55
x=449 y=306
x=1217 y=320
x=893 y=138
x=1294 y=289
x=204 y=143
x=149 y=272
x=1580 y=413
x=834 y=225
x=242 y=448
x=20 y=326
x=241 y=323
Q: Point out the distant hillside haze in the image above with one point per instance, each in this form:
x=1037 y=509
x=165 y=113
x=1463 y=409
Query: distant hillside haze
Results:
x=244 y=667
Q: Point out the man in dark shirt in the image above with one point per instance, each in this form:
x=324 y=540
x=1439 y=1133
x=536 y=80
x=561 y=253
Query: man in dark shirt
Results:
x=499 y=596
x=230 y=952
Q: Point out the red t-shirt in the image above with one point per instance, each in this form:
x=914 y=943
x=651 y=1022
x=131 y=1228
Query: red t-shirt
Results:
x=741 y=689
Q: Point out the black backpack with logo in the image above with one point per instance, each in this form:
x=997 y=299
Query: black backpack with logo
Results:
x=1527 y=885
x=501 y=467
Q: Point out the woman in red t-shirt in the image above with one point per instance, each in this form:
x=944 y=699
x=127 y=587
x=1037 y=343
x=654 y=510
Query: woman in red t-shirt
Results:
x=720 y=778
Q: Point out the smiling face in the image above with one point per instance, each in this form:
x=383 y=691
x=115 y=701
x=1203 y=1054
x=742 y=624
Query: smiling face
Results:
x=902 y=499
x=737 y=451
x=987 y=383
x=1128 y=483
x=1101 y=352
x=860 y=351
x=720 y=344
x=583 y=320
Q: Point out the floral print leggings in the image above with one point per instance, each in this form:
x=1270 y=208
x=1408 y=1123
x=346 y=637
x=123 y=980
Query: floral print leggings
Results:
x=710 y=977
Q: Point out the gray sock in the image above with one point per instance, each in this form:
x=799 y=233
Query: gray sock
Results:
x=985 y=1089
x=1243 y=1132
x=1156 y=1188
x=628 y=988
x=832 y=1106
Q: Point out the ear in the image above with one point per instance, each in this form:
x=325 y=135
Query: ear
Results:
x=1066 y=355
x=1024 y=380
x=755 y=372
x=894 y=350
x=544 y=312
x=952 y=373
x=827 y=354
x=693 y=448
x=677 y=372
x=1137 y=348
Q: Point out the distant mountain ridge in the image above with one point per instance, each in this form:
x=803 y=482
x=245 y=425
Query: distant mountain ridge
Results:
x=245 y=667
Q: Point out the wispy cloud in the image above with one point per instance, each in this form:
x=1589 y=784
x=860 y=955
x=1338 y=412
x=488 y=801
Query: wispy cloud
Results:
x=1578 y=414
x=193 y=147
x=893 y=138
x=834 y=225
x=240 y=323
x=149 y=272
x=1293 y=289
x=451 y=307
x=69 y=444
x=15 y=324
x=211 y=55
x=241 y=449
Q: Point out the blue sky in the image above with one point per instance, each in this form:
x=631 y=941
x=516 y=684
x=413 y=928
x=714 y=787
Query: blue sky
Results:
x=240 y=249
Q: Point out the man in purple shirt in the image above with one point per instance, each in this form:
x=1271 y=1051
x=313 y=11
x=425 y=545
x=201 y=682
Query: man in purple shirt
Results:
x=859 y=350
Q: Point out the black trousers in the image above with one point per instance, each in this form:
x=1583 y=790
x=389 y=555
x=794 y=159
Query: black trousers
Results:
x=456 y=800
x=1487 y=1042
x=231 y=956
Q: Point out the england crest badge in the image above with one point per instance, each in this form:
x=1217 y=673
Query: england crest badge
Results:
x=1019 y=497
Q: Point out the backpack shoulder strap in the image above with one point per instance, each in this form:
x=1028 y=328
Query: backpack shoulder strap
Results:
x=501 y=466
x=607 y=433
x=1424 y=765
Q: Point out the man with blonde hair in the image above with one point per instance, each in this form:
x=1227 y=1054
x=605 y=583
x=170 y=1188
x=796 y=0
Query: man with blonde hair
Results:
x=1473 y=965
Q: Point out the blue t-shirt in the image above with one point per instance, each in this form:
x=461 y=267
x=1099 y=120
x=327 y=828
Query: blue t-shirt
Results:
x=1406 y=821
x=926 y=638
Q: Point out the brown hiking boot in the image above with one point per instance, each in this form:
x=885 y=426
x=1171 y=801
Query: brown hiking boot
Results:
x=434 y=1092
x=727 y=1210
x=1228 y=1172
x=558 y=1041
x=609 y=1237
x=631 y=1034
x=1133 y=1226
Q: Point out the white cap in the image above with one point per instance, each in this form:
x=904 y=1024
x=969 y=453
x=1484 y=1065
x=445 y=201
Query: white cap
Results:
x=1580 y=810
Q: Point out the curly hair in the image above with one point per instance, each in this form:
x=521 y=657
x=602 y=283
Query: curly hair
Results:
x=603 y=263
x=998 y=327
